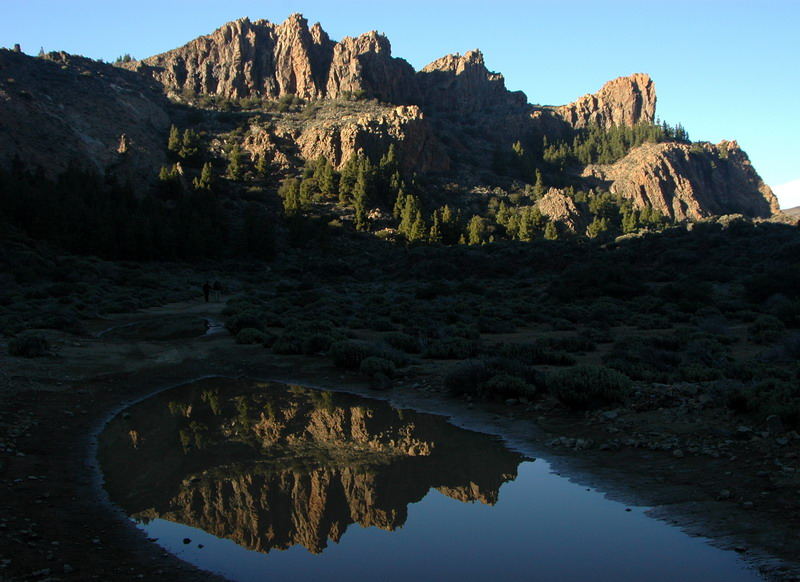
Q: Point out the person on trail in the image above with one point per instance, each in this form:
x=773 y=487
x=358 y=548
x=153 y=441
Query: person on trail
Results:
x=206 y=290
x=217 y=287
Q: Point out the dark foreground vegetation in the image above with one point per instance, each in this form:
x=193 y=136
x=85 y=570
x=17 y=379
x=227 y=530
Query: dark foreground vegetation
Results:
x=715 y=305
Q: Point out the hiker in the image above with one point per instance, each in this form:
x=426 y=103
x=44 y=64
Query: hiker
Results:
x=217 y=287
x=206 y=290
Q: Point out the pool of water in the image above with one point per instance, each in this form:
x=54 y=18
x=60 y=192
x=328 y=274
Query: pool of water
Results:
x=260 y=481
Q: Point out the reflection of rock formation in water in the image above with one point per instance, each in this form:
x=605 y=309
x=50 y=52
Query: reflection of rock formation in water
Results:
x=271 y=467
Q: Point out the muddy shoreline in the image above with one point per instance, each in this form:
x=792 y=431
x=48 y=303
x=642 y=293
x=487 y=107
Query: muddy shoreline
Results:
x=57 y=525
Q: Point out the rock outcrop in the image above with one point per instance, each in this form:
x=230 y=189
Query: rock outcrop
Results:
x=364 y=65
x=463 y=84
x=372 y=130
x=60 y=109
x=559 y=207
x=262 y=59
x=244 y=58
x=684 y=181
x=623 y=101
x=339 y=131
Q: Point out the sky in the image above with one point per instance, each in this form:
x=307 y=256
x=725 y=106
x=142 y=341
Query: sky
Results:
x=725 y=69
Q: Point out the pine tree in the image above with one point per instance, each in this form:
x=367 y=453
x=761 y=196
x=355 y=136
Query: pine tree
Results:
x=409 y=215
x=399 y=204
x=289 y=191
x=190 y=145
x=360 y=199
x=418 y=230
x=325 y=176
x=538 y=186
x=347 y=180
x=476 y=230
x=435 y=234
x=235 y=169
x=262 y=167
x=308 y=188
x=550 y=231
x=598 y=227
x=174 y=141
x=630 y=222
x=206 y=179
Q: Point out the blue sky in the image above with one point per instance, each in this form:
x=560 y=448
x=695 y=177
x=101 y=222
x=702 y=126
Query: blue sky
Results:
x=724 y=69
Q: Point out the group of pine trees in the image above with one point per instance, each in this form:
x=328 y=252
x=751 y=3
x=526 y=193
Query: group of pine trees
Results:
x=598 y=145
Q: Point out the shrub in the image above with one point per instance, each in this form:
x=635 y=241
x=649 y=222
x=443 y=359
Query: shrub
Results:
x=249 y=336
x=288 y=344
x=28 y=345
x=380 y=324
x=466 y=378
x=570 y=343
x=316 y=343
x=515 y=368
x=495 y=325
x=766 y=329
x=372 y=366
x=349 y=354
x=586 y=387
x=535 y=354
x=699 y=373
x=452 y=348
x=403 y=342
x=769 y=397
x=506 y=385
x=245 y=319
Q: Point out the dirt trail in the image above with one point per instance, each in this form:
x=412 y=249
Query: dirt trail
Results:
x=54 y=525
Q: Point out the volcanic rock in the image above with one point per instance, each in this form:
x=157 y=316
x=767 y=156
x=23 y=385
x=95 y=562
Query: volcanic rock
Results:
x=623 y=101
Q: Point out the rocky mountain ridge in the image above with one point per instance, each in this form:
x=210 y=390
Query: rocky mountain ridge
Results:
x=447 y=120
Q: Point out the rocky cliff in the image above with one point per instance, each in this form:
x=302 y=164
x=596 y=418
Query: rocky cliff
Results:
x=339 y=131
x=262 y=59
x=623 y=101
x=463 y=84
x=689 y=181
x=61 y=109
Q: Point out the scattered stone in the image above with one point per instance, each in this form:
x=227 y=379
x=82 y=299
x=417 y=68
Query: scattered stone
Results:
x=724 y=494
x=511 y=401
x=187 y=541
x=68 y=569
x=611 y=414
x=677 y=453
x=775 y=425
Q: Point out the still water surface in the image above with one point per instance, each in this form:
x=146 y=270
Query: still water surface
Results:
x=275 y=482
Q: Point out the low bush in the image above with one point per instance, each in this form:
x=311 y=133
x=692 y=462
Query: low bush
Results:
x=508 y=386
x=452 y=348
x=250 y=336
x=249 y=318
x=349 y=354
x=515 y=368
x=534 y=354
x=766 y=329
x=403 y=342
x=28 y=345
x=586 y=387
x=372 y=366
x=569 y=343
x=768 y=397
x=466 y=378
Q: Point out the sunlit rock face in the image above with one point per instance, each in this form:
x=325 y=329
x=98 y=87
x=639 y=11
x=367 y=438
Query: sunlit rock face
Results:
x=271 y=467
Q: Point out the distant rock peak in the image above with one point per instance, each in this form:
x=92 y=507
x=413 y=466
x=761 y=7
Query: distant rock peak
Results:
x=621 y=101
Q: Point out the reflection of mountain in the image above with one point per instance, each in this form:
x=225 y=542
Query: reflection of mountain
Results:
x=270 y=466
